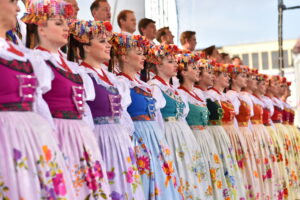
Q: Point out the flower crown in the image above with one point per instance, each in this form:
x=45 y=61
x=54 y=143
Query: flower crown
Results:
x=83 y=31
x=187 y=58
x=158 y=52
x=234 y=69
x=121 y=43
x=39 y=11
x=205 y=64
x=262 y=77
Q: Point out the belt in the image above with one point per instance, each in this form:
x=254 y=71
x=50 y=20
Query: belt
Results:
x=171 y=119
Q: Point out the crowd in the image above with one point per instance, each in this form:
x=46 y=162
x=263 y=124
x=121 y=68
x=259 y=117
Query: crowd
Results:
x=87 y=113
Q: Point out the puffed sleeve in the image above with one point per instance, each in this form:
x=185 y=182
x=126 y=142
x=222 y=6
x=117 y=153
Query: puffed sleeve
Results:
x=233 y=98
x=160 y=103
x=185 y=99
x=44 y=76
x=124 y=90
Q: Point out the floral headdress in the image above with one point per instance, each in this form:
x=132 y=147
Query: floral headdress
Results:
x=83 y=31
x=121 y=43
x=158 y=52
x=234 y=69
x=262 y=77
x=39 y=11
x=187 y=58
x=219 y=67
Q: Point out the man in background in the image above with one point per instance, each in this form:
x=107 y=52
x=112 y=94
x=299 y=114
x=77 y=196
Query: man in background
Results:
x=188 y=40
x=127 y=22
x=100 y=10
x=165 y=36
x=147 y=28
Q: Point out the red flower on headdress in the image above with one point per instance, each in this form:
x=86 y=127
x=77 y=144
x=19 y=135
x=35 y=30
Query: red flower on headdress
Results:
x=108 y=26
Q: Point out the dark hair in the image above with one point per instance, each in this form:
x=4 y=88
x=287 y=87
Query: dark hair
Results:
x=223 y=55
x=143 y=23
x=73 y=47
x=179 y=75
x=186 y=35
x=32 y=37
x=209 y=50
x=161 y=32
x=123 y=16
x=95 y=5
x=235 y=57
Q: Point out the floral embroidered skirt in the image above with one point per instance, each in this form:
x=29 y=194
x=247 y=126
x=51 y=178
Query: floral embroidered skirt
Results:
x=267 y=164
x=32 y=166
x=155 y=162
x=285 y=137
x=281 y=161
x=118 y=155
x=230 y=166
x=190 y=161
x=210 y=151
x=79 y=146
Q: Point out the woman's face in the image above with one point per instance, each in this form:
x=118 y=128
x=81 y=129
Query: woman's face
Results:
x=192 y=73
x=274 y=87
x=55 y=31
x=8 y=14
x=135 y=58
x=206 y=77
x=240 y=80
x=251 y=83
x=99 y=48
x=261 y=87
x=168 y=67
x=222 y=79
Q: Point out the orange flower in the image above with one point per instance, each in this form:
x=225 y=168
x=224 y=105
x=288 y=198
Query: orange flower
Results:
x=168 y=168
x=216 y=158
x=213 y=173
x=219 y=184
x=209 y=190
x=47 y=153
x=255 y=173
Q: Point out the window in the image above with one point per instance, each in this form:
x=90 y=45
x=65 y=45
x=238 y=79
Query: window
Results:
x=265 y=60
x=275 y=60
x=245 y=58
x=255 y=62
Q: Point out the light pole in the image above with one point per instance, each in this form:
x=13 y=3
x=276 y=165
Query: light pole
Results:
x=281 y=8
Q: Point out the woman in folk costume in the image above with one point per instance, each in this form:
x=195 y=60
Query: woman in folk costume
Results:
x=268 y=110
x=32 y=166
x=222 y=115
x=197 y=118
x=153 y=156
x=243 y=109
x=92 y=40
x=265 y=147
x=288 y=121
x=69 y=88
x=293 y=152
x=274 y=92
x=190 y=162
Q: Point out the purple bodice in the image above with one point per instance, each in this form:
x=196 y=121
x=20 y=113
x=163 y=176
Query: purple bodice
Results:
x=106 y=107
x=65 y=99
x=18 y=85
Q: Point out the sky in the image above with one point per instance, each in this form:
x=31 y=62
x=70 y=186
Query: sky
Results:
x=222 y=22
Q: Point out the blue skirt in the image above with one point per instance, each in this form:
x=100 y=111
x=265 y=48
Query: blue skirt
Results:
x=155 y=162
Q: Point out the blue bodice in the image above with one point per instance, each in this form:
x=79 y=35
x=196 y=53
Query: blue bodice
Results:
x=142 y=107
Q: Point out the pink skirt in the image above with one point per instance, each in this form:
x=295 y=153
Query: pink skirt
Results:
x=79 y=146
x=32 y=166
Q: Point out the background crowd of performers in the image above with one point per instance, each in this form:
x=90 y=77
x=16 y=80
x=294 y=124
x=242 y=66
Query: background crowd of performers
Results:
x=88 y=114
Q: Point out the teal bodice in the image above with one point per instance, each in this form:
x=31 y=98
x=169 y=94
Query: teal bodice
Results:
x=198 y=115
x=174 y=105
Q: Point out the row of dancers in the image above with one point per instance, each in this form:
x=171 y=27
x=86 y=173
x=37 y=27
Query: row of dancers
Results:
x=85 y=125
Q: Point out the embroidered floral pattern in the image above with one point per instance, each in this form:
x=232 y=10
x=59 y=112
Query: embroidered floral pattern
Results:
x=24 y=67
x=76 y=78
x=91 y=175
x=3 y=190
x=23 y=106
